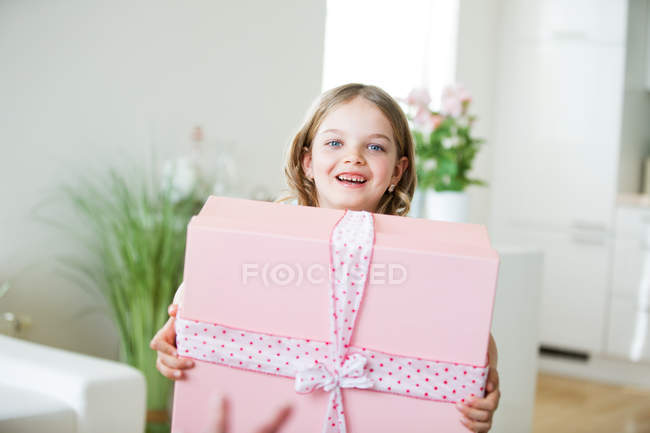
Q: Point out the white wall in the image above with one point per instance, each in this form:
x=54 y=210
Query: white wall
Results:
x=88 y=84
x=476 y=63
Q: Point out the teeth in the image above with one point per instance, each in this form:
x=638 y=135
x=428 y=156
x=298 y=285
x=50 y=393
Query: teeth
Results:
x=351 y=179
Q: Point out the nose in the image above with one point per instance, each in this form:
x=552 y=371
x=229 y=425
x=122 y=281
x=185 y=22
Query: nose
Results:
x=354 y=157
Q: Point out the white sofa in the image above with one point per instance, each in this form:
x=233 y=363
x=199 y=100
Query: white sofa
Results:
x=44 y=389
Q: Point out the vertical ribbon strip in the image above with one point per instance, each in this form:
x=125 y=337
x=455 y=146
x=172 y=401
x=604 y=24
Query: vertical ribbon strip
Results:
x=351 y=247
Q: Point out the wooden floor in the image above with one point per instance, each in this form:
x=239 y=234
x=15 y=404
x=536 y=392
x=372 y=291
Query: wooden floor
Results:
x=565 y=405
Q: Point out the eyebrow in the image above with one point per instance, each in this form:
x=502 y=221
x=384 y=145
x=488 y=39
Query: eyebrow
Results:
x=377 y=135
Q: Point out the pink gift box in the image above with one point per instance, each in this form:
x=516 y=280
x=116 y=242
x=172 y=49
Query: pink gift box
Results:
x=261 y=268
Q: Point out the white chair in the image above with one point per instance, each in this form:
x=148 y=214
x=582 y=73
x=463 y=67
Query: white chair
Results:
x=47 y=389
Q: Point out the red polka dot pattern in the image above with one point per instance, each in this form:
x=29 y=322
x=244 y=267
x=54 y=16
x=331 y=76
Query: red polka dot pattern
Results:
x=425 y=378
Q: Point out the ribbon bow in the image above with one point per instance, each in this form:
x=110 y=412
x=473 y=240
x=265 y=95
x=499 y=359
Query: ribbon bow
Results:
x=351 y=375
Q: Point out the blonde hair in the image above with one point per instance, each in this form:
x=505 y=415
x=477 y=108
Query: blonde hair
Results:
x=304 y=189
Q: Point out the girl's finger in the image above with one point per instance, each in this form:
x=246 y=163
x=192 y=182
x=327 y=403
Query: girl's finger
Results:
x=490 y=402
x=492 y=379
x=172 y=309
x=168 y=372
x=166 y=334
x=473 y=413
x=154 y=340
x=161 y=345
x=475 y=426
x=174 y=361
x=277 y=422
x=218 y=416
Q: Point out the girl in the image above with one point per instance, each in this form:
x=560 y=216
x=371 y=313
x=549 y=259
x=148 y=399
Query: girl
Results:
x=354 y=151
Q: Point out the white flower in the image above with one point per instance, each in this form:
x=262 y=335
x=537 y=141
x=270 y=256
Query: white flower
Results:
x=449 y=142
x=430 y=164
x=181 y=174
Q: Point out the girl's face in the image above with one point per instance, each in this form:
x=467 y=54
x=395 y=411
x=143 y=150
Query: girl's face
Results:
x=354 y=141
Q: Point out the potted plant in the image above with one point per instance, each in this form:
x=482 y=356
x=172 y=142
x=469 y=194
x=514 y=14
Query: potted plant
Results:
x=444 y=151
x=134 y=246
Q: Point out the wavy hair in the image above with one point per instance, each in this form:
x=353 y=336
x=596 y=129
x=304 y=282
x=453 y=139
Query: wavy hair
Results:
x=303 y=189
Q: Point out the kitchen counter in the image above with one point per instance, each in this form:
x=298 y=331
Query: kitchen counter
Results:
x=633 y=200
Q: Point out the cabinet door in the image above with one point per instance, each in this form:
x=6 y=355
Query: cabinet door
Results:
x=557 y=130
x=629 y=331
x=574 y=286
x=630 y=268
x=632 y=222
x=631 y=256
x=602 y=21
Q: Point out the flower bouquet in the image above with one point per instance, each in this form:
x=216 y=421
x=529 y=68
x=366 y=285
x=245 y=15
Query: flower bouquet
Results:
x=444 y=145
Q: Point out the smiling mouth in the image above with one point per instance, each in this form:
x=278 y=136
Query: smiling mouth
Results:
x=350 y=181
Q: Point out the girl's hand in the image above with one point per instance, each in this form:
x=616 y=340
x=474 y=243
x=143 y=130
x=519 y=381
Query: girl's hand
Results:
x=164 y=342
x=478 y=411
x=219 y=421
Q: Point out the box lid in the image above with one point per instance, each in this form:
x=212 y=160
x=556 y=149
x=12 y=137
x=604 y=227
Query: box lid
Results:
x=255 y=265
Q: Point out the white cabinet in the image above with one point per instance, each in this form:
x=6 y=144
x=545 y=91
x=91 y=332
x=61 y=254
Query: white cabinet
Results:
x=574 y=284
x=594 y=20
x=557 y=132
x=631 y=254
x=628 y=331
x=600 y=21
x=559 y=107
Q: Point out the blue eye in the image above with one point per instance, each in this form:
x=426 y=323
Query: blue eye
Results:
x=374 y=147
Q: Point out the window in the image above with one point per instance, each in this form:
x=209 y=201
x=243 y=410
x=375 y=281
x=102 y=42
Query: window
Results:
x=394 y=45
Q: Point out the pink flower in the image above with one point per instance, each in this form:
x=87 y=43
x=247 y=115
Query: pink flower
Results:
x=419 y=97
x=454 y=99
x=425 y=121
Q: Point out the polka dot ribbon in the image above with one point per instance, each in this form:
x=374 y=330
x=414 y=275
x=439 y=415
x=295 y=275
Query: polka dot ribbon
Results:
x=332 y=365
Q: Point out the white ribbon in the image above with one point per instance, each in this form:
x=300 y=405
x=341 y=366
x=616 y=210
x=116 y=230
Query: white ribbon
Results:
x=351 y=375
